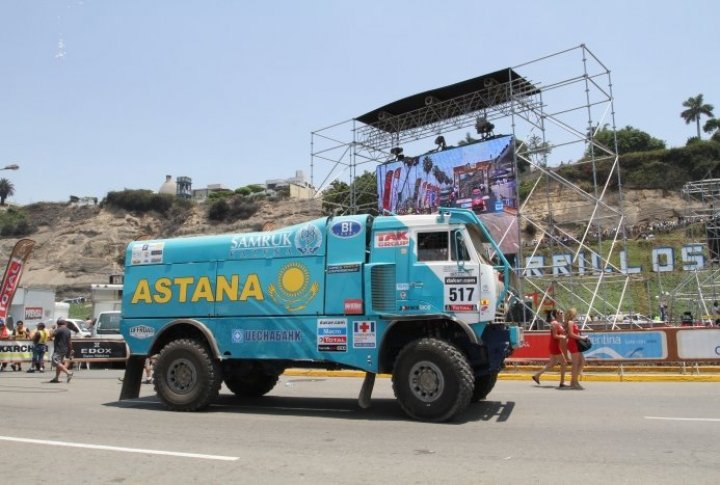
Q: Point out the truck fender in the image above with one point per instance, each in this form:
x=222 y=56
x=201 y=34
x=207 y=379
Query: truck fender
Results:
x=414 y=318
x=184 y=328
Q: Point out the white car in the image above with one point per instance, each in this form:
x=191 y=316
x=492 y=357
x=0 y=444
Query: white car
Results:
x=78 y=327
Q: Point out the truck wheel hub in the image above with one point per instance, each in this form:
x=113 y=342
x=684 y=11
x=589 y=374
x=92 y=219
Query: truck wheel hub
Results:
x=426 y=381
x=182 y=375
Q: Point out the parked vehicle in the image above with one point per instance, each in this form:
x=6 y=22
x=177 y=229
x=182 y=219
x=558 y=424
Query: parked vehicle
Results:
x=78 y=327
x=408 y=295
x=107 y=325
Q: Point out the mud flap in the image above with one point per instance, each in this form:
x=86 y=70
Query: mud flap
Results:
x=497 y=340
x=133 y=377
x=366 y=390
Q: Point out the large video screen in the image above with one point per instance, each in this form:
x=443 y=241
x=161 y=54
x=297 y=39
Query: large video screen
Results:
x=480 y=176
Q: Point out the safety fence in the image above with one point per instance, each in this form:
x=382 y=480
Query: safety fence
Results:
x=655 y=345
x=85 y=350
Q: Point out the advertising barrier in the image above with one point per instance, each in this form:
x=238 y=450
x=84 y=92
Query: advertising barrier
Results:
x=671 y=344
x=95 y=350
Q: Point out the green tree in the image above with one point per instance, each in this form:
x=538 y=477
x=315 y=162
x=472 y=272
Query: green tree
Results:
x=6 y=190
x=629 y=140
x=696 y=108
x=337 y=198
x=712 y=126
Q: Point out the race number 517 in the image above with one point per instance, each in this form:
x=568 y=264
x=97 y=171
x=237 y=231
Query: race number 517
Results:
x=460 y=294
x=460 y=299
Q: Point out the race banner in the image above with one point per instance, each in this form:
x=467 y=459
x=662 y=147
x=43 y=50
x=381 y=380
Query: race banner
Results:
x=13 y=273
x=15 y=350
x=99 y=349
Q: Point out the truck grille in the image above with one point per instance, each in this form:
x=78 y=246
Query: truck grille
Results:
x=382 y=292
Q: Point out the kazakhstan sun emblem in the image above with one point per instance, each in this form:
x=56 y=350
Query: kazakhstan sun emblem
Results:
x=294 y=290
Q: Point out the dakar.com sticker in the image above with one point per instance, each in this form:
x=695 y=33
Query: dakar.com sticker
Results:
x=364 y=335
x=332 y=335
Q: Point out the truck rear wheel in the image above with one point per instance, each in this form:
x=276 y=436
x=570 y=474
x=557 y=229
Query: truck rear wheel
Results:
x=432 y=380
x=253 y=384
x=483 y=386
x=186 y=377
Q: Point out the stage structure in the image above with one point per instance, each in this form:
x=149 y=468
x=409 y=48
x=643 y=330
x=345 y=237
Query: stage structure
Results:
x=569 y=252
x=698 y=291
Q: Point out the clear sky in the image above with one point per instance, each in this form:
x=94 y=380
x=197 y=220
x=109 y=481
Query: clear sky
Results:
x=105 y=95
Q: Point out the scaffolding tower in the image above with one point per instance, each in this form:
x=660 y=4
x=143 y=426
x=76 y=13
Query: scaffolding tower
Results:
x=571 y=247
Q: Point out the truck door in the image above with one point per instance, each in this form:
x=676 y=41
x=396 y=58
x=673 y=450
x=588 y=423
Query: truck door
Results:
x=452 y=273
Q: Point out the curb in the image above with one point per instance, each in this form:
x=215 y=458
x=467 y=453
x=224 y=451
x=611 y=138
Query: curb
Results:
x=527 y=376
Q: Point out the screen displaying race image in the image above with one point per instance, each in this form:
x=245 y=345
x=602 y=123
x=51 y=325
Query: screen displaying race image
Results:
x=480 y=176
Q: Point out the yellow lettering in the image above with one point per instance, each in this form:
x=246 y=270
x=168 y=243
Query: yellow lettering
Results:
x=163 y=293
x=252 y=288
x=203 y=290
x=183 y=284
x=142 y=292
x=223 y=288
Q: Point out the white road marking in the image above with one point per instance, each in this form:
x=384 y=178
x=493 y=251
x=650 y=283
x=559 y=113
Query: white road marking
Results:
x=119 y=448
x=662 y=418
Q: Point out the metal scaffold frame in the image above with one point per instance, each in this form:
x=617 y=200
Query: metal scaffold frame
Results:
x=699 y=290
x=553 y=119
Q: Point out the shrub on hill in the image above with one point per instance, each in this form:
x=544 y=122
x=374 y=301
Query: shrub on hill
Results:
x=140 y=201
x=14 y=222
x=231 y=209
x=656 y=169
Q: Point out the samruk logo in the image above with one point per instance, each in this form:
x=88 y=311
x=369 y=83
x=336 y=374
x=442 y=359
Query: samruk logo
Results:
x=294 y=291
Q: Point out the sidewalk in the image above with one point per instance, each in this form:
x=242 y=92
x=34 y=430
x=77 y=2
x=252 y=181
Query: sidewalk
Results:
x=592 y=373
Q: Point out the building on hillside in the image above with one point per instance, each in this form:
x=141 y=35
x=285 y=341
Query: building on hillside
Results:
x=182 y=187
x=76 y=201
x=297 y=187
x=200 y=195
x=168 y=187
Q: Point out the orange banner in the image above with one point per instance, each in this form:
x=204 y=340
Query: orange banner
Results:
x=13 y=272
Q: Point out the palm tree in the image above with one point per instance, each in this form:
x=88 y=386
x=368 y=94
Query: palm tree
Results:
x=6 y=189
x=696 y=109
x=712 y=126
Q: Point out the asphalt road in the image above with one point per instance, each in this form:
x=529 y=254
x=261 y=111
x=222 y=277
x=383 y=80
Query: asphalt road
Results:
x=310 y=430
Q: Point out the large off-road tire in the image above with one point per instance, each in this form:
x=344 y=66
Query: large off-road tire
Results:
x=432 y=380
x=483 y=386
x=253 y=384
x=187 y=378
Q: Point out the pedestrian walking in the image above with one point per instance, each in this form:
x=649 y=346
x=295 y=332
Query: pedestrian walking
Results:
x=576 y=356
x=557 y=348
x=62 y=340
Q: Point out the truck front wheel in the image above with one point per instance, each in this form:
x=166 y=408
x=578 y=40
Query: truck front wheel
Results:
x=432 y=380
x=186 y=377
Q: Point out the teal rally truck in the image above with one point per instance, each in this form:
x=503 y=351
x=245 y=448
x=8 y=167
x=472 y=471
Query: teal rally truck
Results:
x=420 y=297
